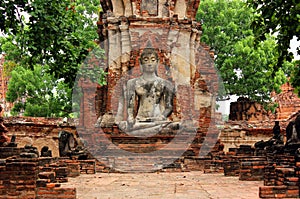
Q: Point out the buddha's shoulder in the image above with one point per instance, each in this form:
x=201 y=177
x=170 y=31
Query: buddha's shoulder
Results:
x=166 y=83
x=132 y=81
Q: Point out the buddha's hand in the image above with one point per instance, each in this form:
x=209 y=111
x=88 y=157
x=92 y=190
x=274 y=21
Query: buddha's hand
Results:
x=130 y=122
x=161 y=118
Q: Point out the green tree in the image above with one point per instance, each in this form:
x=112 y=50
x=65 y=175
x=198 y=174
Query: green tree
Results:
x=10 y=15
x=36 y=93
x=280 y=18
x=56 y=34
x=277 y=17
x=59 y=33
x=246 y=70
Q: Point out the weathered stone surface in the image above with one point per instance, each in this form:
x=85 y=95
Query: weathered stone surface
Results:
x=154 y=8
x=187 y=185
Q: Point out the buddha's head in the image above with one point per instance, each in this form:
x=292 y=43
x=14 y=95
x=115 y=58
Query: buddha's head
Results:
x=149 y=60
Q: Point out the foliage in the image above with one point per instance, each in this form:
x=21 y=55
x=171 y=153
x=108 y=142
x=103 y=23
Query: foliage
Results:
x=280 y=18
x=58 y=34
x=36 y=93
x=246 y=70
x=12 y=54
x=295 y=77
x=10 y=15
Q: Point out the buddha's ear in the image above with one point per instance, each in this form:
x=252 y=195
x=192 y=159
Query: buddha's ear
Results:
x=141 y=66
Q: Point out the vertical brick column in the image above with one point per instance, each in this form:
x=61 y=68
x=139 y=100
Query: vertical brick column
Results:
x=4 y=176
x=88 y=115
x=21 y=176
x=184 y=96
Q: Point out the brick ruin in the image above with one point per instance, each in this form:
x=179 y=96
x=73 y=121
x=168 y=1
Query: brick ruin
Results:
x=124 y=32
x=279 y=172
x=125 y=28
x=25 y=175
x=42 y=177
x=3 y=86
x=288 y=104
x=249 y=122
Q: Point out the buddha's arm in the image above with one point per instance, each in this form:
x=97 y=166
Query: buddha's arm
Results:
x=168 y=95
x=130 y=103
x=121 y=105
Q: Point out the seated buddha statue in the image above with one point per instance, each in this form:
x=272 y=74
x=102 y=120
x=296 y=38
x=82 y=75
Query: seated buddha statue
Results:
x=148 y=99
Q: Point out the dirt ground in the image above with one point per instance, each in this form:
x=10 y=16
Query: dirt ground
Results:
x=183 y=185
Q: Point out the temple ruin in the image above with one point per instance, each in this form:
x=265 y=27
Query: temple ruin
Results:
x=186 y=137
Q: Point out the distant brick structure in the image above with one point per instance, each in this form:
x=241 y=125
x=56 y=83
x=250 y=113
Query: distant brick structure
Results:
x=249 y=122
x=244 y=109
x=288 y=101
x=37 y=131
x=3 y=87
x=288 y=104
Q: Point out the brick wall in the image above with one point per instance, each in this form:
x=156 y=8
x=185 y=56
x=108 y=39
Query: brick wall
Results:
x=38 y=132
x=288 y=104
x=281 y=179
x=26 y=178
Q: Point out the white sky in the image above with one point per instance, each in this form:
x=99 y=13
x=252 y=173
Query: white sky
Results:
x=294 y=44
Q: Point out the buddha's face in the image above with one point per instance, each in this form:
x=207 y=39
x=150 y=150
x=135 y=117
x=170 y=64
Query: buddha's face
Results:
x=149 y=62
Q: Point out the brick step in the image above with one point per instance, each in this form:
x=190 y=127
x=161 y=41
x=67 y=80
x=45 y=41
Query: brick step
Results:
x=141 y=163
x=278 y=192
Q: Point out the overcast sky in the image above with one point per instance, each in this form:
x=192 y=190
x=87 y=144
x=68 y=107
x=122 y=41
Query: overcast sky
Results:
x=294 y=44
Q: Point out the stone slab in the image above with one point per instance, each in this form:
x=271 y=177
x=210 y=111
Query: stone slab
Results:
x=163 y=185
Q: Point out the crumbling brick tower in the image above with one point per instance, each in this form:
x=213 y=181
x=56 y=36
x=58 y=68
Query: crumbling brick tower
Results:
x=125 y=28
